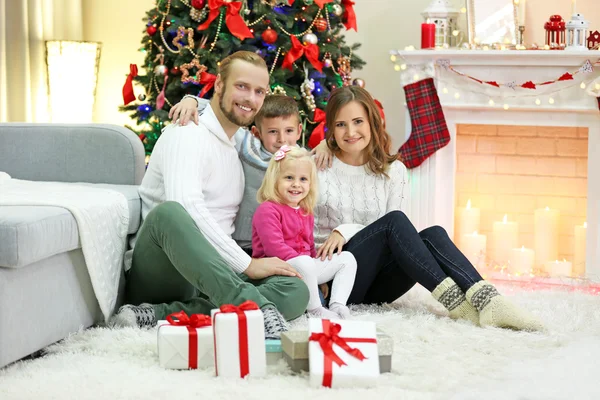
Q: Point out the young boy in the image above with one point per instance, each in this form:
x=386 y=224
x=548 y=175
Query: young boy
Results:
x=276 y=123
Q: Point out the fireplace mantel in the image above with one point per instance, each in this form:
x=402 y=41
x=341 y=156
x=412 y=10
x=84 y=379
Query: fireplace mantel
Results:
x=432 y=185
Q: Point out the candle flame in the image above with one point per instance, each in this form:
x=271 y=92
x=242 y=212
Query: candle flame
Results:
x=564 y=260
x=547 y=208
x=469 y=204
x=585 y=224
x=504 y=219
x=523 y=248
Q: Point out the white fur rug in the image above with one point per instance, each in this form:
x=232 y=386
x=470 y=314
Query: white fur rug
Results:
x=434 y=358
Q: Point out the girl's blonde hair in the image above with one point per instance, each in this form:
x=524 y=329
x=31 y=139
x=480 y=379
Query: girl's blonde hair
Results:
x=268 y=190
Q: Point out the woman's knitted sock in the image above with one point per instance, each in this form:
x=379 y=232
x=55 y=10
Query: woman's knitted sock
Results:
x=453 y=298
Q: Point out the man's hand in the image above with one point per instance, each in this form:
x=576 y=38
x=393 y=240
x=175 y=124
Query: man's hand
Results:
x=334 y=243
x=185 y=110
x=324 y=156
x=324 y=288
x=261 y=268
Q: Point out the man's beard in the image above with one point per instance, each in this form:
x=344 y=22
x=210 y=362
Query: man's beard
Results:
x=230 y=115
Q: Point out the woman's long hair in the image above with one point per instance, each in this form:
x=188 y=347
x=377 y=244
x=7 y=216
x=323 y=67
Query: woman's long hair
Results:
x=378 y=149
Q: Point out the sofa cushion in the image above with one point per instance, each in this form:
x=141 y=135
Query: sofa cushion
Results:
x=32 y=233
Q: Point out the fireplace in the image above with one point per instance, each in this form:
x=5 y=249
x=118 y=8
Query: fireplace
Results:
x=513 y=151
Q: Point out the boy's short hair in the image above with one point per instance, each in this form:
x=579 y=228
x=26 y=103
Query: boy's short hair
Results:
x=276 y=106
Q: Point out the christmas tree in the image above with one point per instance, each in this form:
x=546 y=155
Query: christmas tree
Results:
x=301 y=41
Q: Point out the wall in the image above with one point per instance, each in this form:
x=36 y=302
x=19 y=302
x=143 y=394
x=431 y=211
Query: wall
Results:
x=119 y=26
x=514 y=170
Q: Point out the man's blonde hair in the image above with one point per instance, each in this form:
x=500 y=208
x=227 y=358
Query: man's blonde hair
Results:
x=268 y=190
x=243 y=55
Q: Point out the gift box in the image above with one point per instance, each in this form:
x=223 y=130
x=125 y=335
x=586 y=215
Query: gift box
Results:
x=295 y=350
x=239 y=340
x=342 y=353
x=274 y=352
x=185 y=342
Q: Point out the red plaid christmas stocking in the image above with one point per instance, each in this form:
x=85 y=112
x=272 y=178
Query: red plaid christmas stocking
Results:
x=429 y=130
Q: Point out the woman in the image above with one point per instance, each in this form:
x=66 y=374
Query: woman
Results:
x=359 y=211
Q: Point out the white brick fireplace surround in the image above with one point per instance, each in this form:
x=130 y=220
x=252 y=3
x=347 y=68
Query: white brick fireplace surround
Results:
x=565 y=104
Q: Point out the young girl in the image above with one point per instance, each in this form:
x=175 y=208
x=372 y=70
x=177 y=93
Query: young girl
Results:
x=283 y=227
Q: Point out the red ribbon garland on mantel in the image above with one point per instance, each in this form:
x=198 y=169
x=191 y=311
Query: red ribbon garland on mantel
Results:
x=327 y=339
x=248 y=305
x=191 y=323
x=567 y=76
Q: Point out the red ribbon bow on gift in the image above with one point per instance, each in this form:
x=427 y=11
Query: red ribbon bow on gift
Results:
x=191 y=323
x=208 y=80
x=311 y=51
x=233 y=20
x=350 y=15
x=248 y=305
x=128 y=95
x=327 y=339
x=318 y=134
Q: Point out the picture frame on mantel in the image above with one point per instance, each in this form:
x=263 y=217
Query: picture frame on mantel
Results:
x=493 y=22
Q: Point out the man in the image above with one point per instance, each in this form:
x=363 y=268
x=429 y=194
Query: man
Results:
x=184 y=257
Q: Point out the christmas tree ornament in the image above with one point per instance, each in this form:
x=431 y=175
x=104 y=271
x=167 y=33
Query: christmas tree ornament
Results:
x=161 y=70
x=310 y=38
x=269 y=36
x=320 y=24
x=160 y=99
x=181 y=31
x=185 y=71
x=151 y=30
x=345 y=70
x=198 y=15
x=306 y=89
x=327 y=61
x=277 y=89
x=175 y=70
x=349 y=17
x=358 y=82
x=310 y=51
x=234 y=21
x=128 y=95
x=198 y=4
x=336 y=9
x=167 y=23
x=142 y=97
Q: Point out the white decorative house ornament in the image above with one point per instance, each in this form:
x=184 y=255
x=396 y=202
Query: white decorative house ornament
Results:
x=444 y=16
x=577 y=29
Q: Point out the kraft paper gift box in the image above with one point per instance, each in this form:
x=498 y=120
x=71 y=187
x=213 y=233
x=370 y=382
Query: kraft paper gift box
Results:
x=239 y=337
x=185 y=342
x=295 y=350
x=342 y=353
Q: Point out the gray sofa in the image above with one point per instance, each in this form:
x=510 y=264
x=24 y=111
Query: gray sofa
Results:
x=45 y=289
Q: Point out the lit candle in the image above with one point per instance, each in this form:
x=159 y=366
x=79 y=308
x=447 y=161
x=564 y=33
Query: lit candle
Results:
x=473 y=247
x=505 y=238
x=521 y=261
x=521 y=10
x=467 y=221
x=579 y=250
x=559 y=268
x=573 y=7
x=546 y=235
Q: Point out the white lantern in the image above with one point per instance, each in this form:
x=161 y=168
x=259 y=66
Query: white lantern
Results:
x=444 y=16
x=577 y=29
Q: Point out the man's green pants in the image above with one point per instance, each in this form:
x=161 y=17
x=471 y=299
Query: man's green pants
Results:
x=175 y=268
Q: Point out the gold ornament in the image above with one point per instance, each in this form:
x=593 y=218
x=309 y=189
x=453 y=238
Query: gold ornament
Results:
x=358 y=82
x=306 y=89
x=185 y=73
x=198 y=15
x=180 y=34
x=278 y=90
x=345 y=70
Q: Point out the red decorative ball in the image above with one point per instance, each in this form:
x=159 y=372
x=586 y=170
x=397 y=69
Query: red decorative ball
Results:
x=321 y=24
x=151 y=30
x=167 y=23
x=267 y=21
x=142 y=136
x=175 y=70
x=199 y=4
x=269 y=36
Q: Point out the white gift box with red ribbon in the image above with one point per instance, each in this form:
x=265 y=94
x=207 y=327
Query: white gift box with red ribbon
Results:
x=185 y=342
x=239 y=340
x=342 y=353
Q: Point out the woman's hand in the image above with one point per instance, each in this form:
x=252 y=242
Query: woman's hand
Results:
x=324 y=156
x=334 y=243
x=324 y=288
x=185 y=110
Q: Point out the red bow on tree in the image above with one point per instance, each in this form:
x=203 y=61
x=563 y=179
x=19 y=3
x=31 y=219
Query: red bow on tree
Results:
x=311 y=51
x=128 y=95
x=318 y=134
x=208 y=80
x=350 y=15
x=233 y=20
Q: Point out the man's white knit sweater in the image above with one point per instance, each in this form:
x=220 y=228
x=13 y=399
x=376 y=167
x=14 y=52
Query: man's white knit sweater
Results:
x=198 y=166
x=351 y=198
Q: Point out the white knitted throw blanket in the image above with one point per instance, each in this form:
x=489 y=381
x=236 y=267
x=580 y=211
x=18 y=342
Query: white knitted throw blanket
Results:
x=102 y=217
